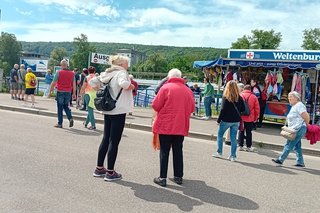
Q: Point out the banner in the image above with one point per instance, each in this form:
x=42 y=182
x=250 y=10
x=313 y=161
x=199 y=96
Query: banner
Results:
x=37 y=65
x=98 y=58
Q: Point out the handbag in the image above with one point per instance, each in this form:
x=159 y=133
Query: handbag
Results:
x=288 y=133
x=104 y=100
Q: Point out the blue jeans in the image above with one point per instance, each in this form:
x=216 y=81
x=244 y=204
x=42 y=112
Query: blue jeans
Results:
x=207 y=106
x=63 y=99
x=233 y=136
x=90 y=117
x=296 y=145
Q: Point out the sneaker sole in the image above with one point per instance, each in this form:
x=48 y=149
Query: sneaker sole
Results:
x=113 y=179
x=96 y=175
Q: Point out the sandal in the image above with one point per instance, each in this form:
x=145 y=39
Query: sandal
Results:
x=85 y=125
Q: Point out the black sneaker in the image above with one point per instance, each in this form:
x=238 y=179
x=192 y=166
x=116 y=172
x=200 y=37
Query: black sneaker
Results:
x=277 y=161
x=300 y=165
x=112 y=176
x=71 y=123
x=99 y=172
x=178 y=180
x=160 y=181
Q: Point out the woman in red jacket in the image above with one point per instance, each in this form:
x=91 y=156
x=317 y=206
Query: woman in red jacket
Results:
x=248 y=120
x=174 y=104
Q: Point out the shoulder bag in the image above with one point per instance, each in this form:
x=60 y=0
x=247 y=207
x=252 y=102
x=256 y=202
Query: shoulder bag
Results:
x=241 y=126
x=288 y=133
x=104 y=101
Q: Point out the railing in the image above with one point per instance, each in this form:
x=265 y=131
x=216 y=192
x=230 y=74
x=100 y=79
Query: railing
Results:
x=144 y=99
x=41 y=86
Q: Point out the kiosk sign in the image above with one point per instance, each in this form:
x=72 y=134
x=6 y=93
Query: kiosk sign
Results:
x=307 y=55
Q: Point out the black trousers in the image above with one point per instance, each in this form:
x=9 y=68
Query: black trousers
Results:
x=166 y=142
x=113 y=128
x=262 y=105
x=248 y=126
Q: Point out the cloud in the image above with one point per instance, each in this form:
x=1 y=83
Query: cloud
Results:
x=83 y=7
x=25 y=13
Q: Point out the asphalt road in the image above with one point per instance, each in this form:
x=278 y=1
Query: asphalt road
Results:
x=44 y=169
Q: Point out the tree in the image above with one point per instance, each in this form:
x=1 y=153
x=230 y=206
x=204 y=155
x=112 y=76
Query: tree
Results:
x=82 y=50
x=311 y=39
x=10 y=51
x=259 y=39
x=56 y=56
x=156 y=63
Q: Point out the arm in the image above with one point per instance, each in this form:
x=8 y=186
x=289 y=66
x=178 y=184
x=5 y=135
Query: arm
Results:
x=306 y=117
x=158 y=101
x=84 y=85
x=205 y=91
x=256 y=109
x=53 y=83
x=223 y=102
x=124 y=82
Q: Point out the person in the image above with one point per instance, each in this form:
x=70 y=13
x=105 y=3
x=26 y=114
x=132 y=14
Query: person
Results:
x=248 y=120
x=14 y=82
x=197 y=95
x=135 y=90
x=297 y=119
x=173 y=104
x=21 y=82
x=114 y=120
x=160 y=84
x=31 y=83
x=207 y=93
x=64 y=81
x=48 y=80
x=231 y=107
x=82 y=77
x=262 y=98
x=89 y=96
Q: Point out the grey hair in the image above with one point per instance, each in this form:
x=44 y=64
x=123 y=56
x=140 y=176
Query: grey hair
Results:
x=295 y=94
x=174 y=73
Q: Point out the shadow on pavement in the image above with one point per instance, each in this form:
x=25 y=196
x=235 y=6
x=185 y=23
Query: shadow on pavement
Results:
x=96 y=132
x=308 y=170
x=269 y=153
x=268 y=168
x=194 y=190
x=161 y=195
x=200 y=190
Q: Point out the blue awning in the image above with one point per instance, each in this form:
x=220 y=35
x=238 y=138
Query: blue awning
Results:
x=270 y=63
x=203 y=64
x=256 y=63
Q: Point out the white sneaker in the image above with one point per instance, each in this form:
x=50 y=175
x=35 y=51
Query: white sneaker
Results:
x=32 y=106
x=250 y=149
x=217 y=155
x=232 y=159
x=241 y=148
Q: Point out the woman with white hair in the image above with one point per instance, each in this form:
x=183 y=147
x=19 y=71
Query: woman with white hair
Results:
x=297 y=119
x=114 y=120
x=174 y=104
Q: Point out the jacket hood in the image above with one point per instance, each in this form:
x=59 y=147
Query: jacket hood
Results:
x=110 y=73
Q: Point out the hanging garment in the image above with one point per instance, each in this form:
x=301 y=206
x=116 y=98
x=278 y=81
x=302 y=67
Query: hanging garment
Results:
x=303 y=91
x=279 y=77
x=299 y=84
x=294 y=81
x=275 y=89
x=308 y=90
x=279 y=93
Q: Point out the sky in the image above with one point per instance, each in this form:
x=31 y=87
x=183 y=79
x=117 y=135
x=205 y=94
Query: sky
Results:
x=185 y=23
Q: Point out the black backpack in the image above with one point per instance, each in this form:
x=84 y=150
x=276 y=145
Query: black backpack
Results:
x=246 y=106
x=104 y=101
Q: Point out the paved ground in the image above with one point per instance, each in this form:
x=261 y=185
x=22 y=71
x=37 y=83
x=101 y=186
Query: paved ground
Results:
x=44 y=169
x=267 y=136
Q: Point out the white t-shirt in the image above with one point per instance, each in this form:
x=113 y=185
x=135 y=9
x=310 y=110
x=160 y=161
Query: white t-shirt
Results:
x=294 y=118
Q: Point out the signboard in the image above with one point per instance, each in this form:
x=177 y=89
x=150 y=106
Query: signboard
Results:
x=37 y=65
x=274 y=55
x=98 y=58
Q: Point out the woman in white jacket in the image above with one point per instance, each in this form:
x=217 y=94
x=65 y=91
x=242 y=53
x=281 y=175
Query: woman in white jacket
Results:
x=114 y=120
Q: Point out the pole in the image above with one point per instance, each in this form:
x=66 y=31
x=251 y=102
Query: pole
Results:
x=89 y=59
x=315 y=94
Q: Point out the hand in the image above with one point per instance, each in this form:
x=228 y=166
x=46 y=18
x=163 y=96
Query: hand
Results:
x=49 y=94
x=218 y=124
x=131 y=87
x=74 y=97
